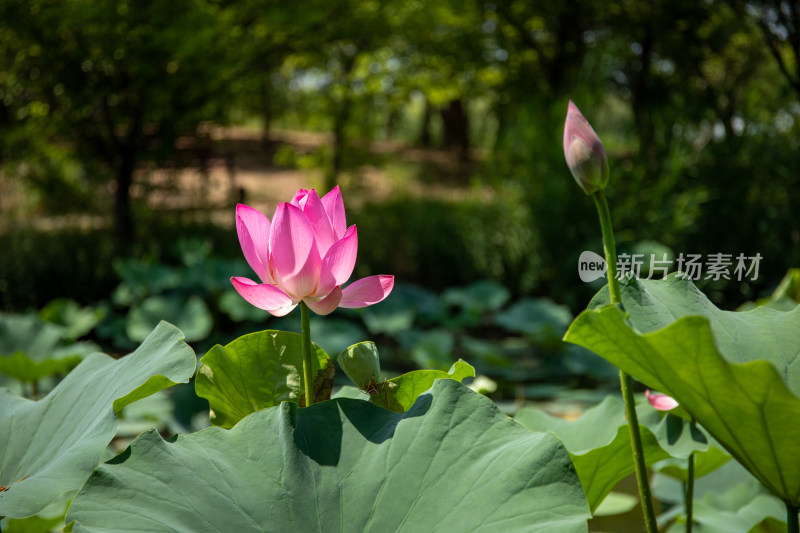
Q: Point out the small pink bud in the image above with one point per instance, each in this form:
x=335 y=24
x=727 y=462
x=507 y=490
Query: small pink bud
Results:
x=661 y=402
x=585 y=155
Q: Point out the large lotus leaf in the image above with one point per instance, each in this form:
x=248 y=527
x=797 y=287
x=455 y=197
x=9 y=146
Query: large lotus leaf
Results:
x=600 y=446
x=747 y=407
x=51 y=446
x=758 y=334
x=399 y=394
x=257 y=371
x=453 y=462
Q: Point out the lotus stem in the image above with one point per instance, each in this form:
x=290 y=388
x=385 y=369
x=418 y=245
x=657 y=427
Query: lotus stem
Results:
x=626 y=383
x=305 y=327
x=792 y=524
x=688 y=497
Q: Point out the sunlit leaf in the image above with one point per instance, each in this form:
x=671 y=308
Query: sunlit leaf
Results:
x=733 y=372
x=257 y=371
x=51 y=446
x=453 y=462
x=399 y=394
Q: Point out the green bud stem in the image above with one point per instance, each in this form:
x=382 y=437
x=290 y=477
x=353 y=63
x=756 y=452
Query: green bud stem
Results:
x=688 y=495
x=626 y=383
x=305 y=328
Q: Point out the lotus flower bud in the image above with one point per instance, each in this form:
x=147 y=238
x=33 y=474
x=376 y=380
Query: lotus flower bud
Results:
x=585 y=155
x=361 y=364
x=661 y=402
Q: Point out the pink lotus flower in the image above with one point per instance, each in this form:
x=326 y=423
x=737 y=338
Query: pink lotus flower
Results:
x=585 y=155
x=306 y=254
x=661 y=402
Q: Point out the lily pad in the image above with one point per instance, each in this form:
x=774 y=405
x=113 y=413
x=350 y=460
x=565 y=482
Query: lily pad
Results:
x=257 y=371
x=737 y=374
x=541 y=318
x=453 y=462
x=429 y=348
x=77 y=321
x=742 y=507
x=191 y=315
x=479 y=297
x=52 y=445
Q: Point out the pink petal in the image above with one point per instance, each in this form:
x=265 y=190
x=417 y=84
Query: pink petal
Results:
x=315 y=213
x=661 y=402
x=578 y=127
x=338 y=263
x=295 y=259
x=326 y=305
x=367 y=291
x=334 y=206
x=253 y=227
x=264 y=296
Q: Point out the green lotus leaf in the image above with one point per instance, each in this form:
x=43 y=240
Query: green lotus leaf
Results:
x=77 y=321
x=759 y=334
x=453 y=462
x=704 y=463
x=733 y=372
x=190 y=314
x=257 y=371
x=740 y=508
x=600 y=446
x=31 y=349
x=50 y=446
x=399 y=394
x=540 y=318
x=30 y=335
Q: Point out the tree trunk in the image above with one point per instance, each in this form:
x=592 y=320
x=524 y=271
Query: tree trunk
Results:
x=123 y=220
x=455 y=125
x=341 y=116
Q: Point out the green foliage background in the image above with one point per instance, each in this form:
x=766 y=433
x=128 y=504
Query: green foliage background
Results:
x=696 y=102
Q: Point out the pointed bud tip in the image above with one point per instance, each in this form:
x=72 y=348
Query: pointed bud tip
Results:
x=584 y=152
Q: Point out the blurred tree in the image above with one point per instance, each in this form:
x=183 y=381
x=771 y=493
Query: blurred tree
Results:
x=779 y=21
x=696 y=103
x=265 y=33
x=117 y=80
